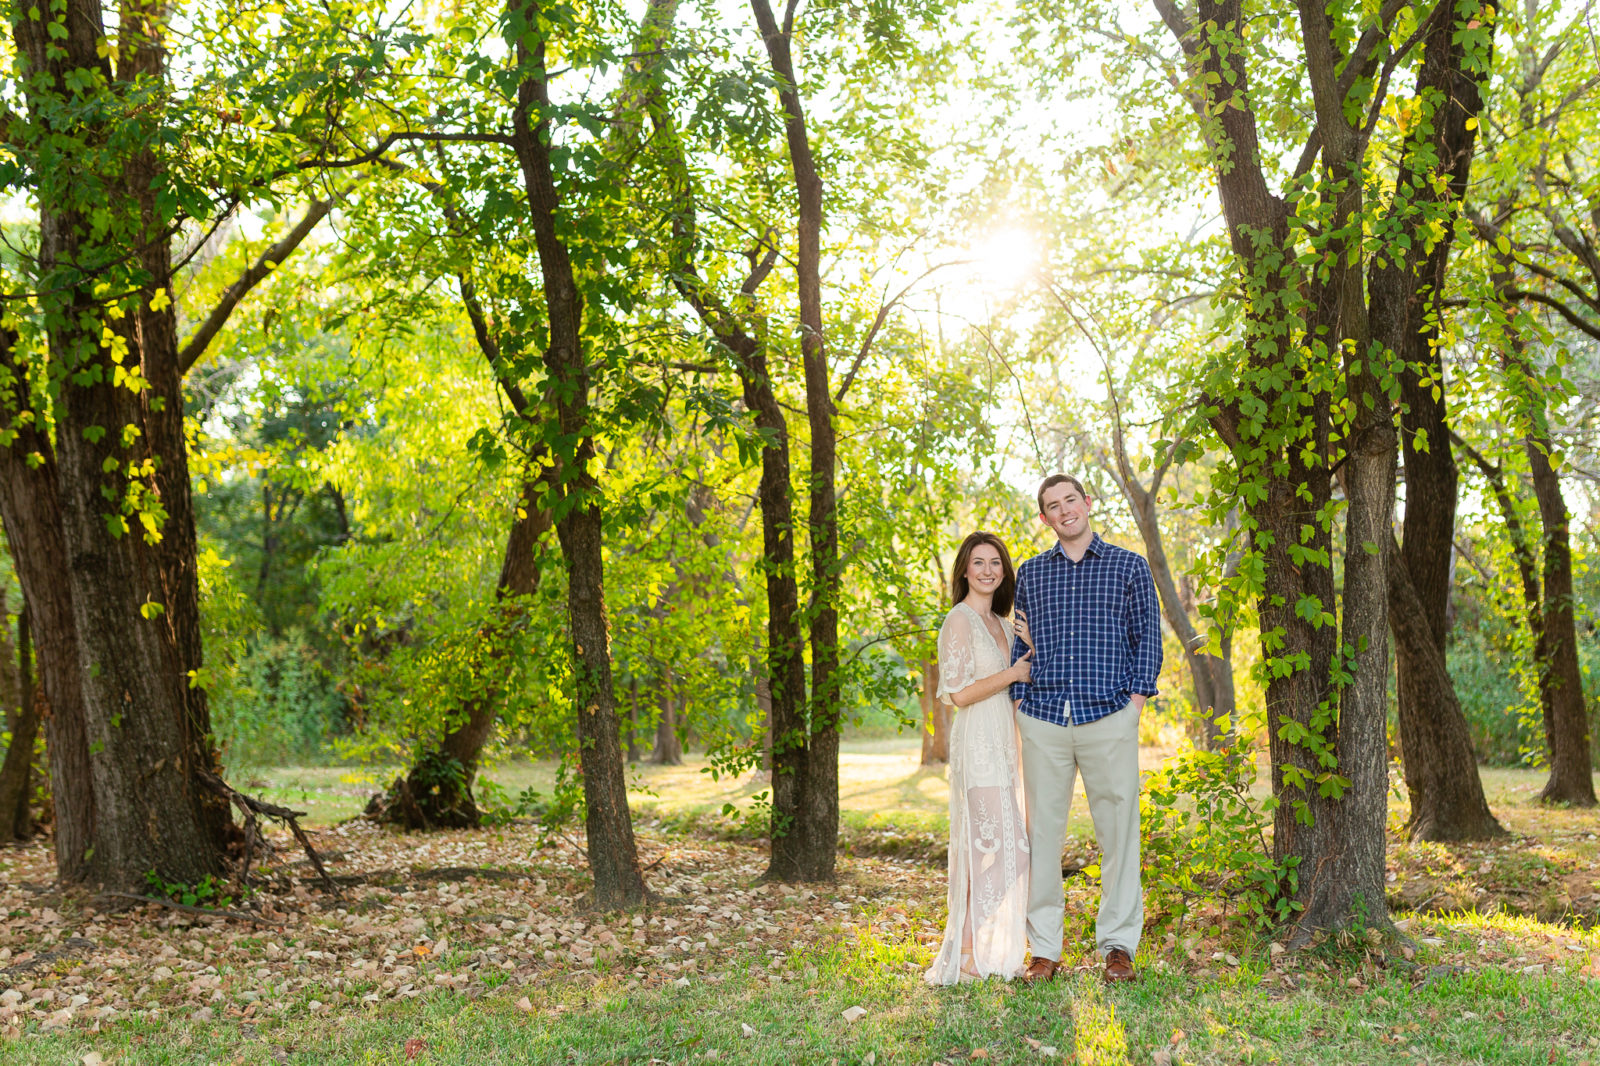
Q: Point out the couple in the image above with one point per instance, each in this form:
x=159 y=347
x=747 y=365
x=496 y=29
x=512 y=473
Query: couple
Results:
x=1060 y=695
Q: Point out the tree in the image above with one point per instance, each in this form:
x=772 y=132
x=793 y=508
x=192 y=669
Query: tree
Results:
x=1323 y=317
x=22 y=721
x=132 y=739
x=1537 y=257
x=1447 y=800
x=94 y=479
x=613 y=856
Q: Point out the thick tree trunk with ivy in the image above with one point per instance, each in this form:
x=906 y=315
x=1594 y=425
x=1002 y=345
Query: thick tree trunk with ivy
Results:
x=613 y=855
x=31 y=510
x=1441 y=772
x=1297 y=487
x=108 y=507
x=1327 y=713
x=436 y=792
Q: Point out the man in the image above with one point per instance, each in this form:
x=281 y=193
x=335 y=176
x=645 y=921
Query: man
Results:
x=1090 y=611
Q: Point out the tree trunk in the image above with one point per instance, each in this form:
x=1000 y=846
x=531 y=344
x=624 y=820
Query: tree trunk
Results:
x=1447 y=801
x=1566 y=717
x=668 y=749
x=935 y=717
x=613 y=855
x=436 y=792
x=16 y=773
x=811 y=811
x=1550 y=616
x=784 y=683
x=31 y=510
x=134 y=600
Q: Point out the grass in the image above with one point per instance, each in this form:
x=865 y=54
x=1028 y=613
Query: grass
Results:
x=795 y=1010
x=881 y=778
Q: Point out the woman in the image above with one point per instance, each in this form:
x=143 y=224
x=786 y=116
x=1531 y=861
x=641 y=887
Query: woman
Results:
x=988 y=864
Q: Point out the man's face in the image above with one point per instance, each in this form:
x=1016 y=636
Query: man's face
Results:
x=1066 y=512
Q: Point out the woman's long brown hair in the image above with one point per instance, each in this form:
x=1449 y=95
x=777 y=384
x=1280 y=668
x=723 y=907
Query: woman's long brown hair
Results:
x=959 y=587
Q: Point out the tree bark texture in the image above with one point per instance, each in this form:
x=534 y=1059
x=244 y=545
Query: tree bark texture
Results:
x=22 y=721
x=1447 y=800
x=1454 y=807
x=1566 y=717
x=613 y=855
x=935 y=717
x=31 y=510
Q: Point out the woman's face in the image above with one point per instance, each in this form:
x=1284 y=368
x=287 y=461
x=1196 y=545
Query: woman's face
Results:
x=984 y=569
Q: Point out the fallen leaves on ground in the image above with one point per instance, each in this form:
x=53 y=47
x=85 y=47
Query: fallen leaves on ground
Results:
x=466 y=911
x=470 y=911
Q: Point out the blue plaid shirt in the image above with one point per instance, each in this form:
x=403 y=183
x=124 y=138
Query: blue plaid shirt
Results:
x=1096 y=628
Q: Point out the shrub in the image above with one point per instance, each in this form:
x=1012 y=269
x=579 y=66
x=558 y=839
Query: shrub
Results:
x=1206 y=839
x=1492 y=699
x=283 y=705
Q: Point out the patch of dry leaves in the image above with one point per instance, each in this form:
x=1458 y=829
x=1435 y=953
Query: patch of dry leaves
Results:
x=467 y=911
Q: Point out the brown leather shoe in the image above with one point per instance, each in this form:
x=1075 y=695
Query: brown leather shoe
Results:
x=1119 y=966
x=1040 y=970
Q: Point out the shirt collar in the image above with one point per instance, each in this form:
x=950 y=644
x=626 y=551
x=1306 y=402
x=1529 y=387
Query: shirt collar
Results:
x=1096 y=548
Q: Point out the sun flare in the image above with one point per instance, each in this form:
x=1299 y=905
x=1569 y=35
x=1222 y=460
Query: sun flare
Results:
x=1006 y=258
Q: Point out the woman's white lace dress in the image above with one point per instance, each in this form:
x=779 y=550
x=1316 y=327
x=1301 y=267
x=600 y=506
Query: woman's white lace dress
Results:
x=988 y=863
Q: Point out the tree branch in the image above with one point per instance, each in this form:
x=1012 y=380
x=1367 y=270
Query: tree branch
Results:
x=877 y=324
x=258 y=271
x=1560 y=308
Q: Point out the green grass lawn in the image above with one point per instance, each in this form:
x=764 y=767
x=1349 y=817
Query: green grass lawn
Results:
x=795 y=1014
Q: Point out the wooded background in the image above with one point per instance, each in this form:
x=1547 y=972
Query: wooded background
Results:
x=432 y=385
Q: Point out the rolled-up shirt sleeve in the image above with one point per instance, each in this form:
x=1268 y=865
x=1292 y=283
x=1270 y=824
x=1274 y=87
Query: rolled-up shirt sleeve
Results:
x=1144 y=630
x=1019 y=689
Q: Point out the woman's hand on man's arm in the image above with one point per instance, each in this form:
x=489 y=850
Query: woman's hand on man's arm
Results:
x=984 y=687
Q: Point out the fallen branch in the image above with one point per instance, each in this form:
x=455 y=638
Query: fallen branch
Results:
x=251 y=807
x=212 y=912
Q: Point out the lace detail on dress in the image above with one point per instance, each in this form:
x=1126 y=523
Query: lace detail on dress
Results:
x=958 y=665
x=988 y=858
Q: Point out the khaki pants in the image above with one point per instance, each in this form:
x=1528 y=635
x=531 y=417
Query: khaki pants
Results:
x=1106 y=752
